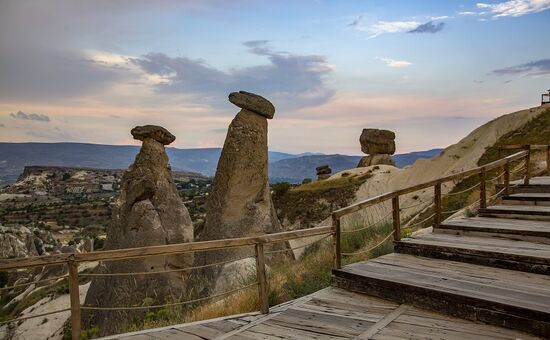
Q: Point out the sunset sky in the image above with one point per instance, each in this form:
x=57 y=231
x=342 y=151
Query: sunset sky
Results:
x=432 y=71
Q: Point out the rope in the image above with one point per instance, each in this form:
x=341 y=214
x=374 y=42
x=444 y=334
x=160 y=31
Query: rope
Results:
x=418 y=223
x=496 y=194
x=371 y=248
x=166 y=271
x=33 y=282
x=462 y=191
x=170 y=304
x=368 y=226
x=302 y=246
x=413 y=206
x=451 y=211
x=495 y=178
x=35 y=316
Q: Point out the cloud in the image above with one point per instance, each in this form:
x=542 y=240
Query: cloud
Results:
x=30 y=116
x=288 y=79
x=356 y=22
x=468 y=13
x=382 y=27
x=428 y=27
x=2 y=126
x=396 y=63
x=514 y=8
x=532 y=68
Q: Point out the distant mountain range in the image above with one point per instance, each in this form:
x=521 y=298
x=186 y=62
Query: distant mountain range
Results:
x=283 y=166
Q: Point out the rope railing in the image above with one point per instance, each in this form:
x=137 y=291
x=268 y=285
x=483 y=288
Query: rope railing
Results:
x=368 y=226
x=171 y=304
x=34 y=316
x=371 y=248
x=297 y=247
x=167 y=271
x=33 y=282
x=408 y=226
x=461 y=191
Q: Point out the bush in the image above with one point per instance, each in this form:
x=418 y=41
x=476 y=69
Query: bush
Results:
x=281 y=188
x=307 y=181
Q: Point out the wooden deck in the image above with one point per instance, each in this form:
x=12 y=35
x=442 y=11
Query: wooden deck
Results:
x=334 y=313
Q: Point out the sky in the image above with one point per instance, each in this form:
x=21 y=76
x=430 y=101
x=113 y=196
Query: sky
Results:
x=431 y=70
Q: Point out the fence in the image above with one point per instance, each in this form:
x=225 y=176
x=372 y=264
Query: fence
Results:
x=73 y=260
x=481 y=172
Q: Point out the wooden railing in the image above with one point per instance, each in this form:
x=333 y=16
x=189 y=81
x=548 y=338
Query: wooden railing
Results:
x=481 y=172
x=73 y=260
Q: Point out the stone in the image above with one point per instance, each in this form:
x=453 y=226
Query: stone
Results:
x=323 y=169
x=148 y=212
x=375 y=141
x=253 y=102
x=239 y=204
x=155 y=132
x=383 y=159
x=322 y=177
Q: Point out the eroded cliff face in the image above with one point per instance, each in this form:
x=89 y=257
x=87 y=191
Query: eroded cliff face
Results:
x=148 y=212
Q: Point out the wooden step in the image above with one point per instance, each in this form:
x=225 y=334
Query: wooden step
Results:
x=517 y=211
x=496 y=296
x=527 y=199
x=539 y=184
x=487 y=251
x=525 y=230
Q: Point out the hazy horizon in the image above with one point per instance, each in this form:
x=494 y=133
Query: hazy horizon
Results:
x=432 y=71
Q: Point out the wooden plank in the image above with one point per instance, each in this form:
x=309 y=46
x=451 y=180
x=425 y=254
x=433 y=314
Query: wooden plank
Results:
x=396 y=218
x=496 y=296
x=495 y=252
x=382 y=323
x=528 y=211
x=331 y=325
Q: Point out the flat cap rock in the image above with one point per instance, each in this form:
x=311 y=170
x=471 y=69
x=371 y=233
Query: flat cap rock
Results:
x=155 y=132
x=253 y=102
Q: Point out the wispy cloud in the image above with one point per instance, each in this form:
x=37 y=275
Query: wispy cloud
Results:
x=30 y=116
x=396 y=63
x=429 y=27
x=511 y=8
x=532 y=68
x=382 y=27
x=356 y=22
x=514 y=8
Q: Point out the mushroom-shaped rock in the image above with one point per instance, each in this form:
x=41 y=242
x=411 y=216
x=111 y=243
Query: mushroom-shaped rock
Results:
x=375 y=141
x=155 y=132
x=323 y=170
x=253 y=102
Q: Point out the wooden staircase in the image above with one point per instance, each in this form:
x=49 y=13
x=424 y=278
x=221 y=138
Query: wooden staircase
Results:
x=493 y=268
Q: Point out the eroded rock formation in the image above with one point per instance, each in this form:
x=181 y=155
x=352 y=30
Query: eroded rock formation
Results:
x=323 y=172
x=240 y=202
x=379 y=145
x=149 y=212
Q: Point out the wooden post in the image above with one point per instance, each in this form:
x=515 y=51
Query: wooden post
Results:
x=336 y=242
x=482 y=190
x=396 y=218
x=75 y=298
x=437 y=204
x=548 y=160
x=507 y=178
x=527 y=164
x=261 y=277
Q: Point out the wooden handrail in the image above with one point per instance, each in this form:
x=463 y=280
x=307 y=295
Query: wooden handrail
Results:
x=459 y=175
